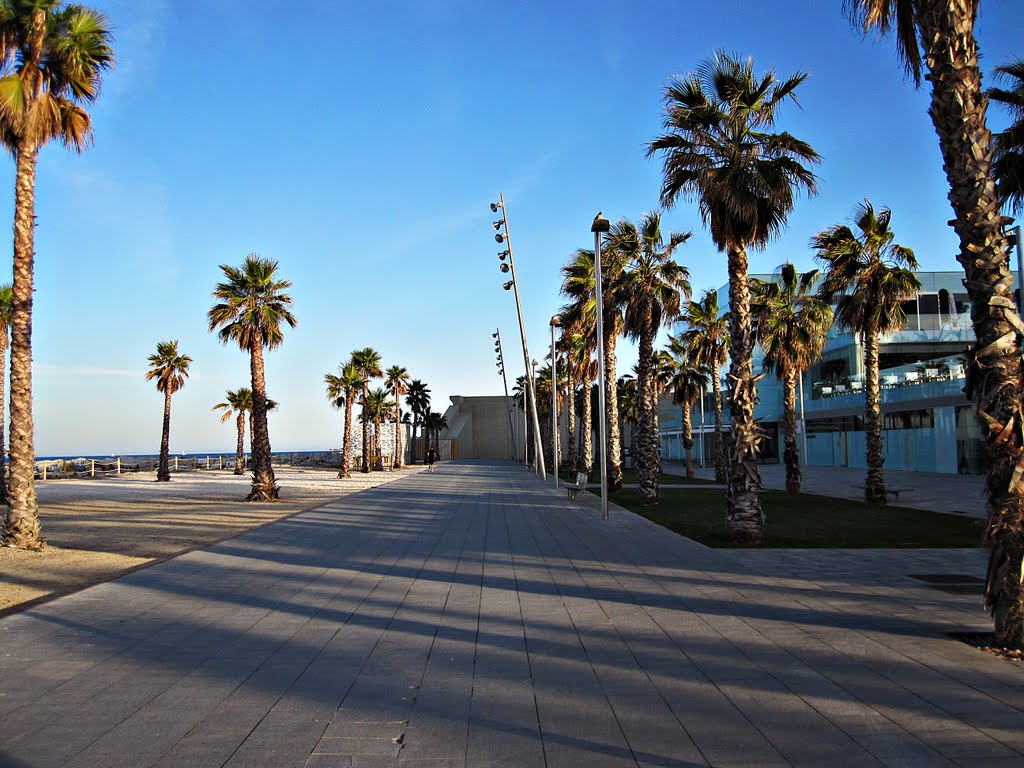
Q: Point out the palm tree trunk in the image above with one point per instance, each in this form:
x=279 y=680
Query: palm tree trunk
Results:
x=612 y=408
x=3 y=437
x=790 y=454
x=21 y=528
x=958 y=105
x=743 y=497
x=397 y=463
x=721 y=467
x=240 y=445
x=688 y=437
x=264 y=486
x=378 y=444
x=570 y=414
x=366 y=435
x=345 y=470
x=586 y=462
x=874 y=484
x=163 y=473
x=647 y=439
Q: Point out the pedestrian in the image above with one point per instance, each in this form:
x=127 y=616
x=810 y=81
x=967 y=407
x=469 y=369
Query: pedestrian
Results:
x=431 y=458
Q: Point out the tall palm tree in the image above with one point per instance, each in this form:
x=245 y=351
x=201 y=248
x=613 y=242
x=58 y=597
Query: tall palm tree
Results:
x=792 y=326
x=719 y=150
x=578 y=282
x=688 y=383
x=662 y=371
x=870 y=276
x=251 y=311
x=397 y=379
x=1008 y=145
x=6 y=307
x=170 y=369
x=367 y=361
x=706 y=344
x=418 y=400
x=939 y=36
x=237 y=403
x=573 y=343
x=650 y=283
x=629 y=410
x=341 y=391
x=433 y=423
x=54 y=55
x=377 y=408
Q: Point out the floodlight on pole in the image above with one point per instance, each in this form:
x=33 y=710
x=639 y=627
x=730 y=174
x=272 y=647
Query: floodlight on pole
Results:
x=508 y=400
x=599 y=227
x=513 y=285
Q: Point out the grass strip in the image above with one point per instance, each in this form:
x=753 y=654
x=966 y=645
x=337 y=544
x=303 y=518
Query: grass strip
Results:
x=807 y=521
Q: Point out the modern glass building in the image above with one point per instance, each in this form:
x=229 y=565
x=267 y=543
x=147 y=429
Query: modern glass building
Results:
x=928 y=424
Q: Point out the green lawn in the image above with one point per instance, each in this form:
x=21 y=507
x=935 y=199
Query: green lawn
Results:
x=629 y=477
x=807 y=521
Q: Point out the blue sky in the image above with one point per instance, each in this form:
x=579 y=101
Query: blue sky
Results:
x=360 y=145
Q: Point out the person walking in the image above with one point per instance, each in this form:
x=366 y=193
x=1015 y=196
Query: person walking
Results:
x=431 y=458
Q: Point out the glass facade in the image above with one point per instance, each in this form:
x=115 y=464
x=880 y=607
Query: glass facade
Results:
x=927 y=422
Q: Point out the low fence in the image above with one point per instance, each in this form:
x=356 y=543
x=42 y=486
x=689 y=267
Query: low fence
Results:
x=55 y=469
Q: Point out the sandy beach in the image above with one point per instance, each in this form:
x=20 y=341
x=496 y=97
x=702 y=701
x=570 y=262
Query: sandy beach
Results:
x=97 y=529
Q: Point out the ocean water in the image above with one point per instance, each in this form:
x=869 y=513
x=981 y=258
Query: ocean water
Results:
x=199 y=455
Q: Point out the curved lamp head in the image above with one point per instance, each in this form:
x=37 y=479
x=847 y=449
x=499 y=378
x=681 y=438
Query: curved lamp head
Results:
x=495 y=207
x=556 y=321
x=500 y=238
x=503 y=255
x=504 y=267
x=497 y=224
x=507 y=286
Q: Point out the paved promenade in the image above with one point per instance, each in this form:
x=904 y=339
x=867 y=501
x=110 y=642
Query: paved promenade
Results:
x=474 y=617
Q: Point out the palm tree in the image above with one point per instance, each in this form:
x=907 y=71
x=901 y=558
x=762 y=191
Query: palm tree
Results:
x=418 y=400
x=237 y=403
x=628 y=395
x=1008 y=145
x=650 y=283
x=433 y=423
x=792 y=326
x=940 y=36
x=341 y=391
x=688 y=383
x=870 y=276
x=719 y=150
x=53 y=57
x=398 y=380
x=6 y=305
x=170 y=369
x=662 y=371
x=367 y=362
x=251 y=311
x=377 y=408
x=578 y=281
x=706 y=344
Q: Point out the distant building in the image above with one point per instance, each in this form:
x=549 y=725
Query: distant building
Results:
x=928 y=424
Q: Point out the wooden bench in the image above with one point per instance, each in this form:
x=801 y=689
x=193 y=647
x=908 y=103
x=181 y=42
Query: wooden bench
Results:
x=573 y=488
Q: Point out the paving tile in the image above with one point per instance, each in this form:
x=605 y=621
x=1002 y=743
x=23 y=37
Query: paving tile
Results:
x=482 y=619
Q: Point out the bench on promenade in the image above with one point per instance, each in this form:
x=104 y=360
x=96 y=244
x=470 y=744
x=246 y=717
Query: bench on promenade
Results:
x=893 y=492
x=579 y=485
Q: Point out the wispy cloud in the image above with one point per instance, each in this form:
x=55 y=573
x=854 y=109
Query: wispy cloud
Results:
x=44 y=369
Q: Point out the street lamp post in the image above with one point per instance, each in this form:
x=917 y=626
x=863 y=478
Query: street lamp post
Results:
x=513 y=285
x=599 y=227
x=538 y=448
x=556 y=322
